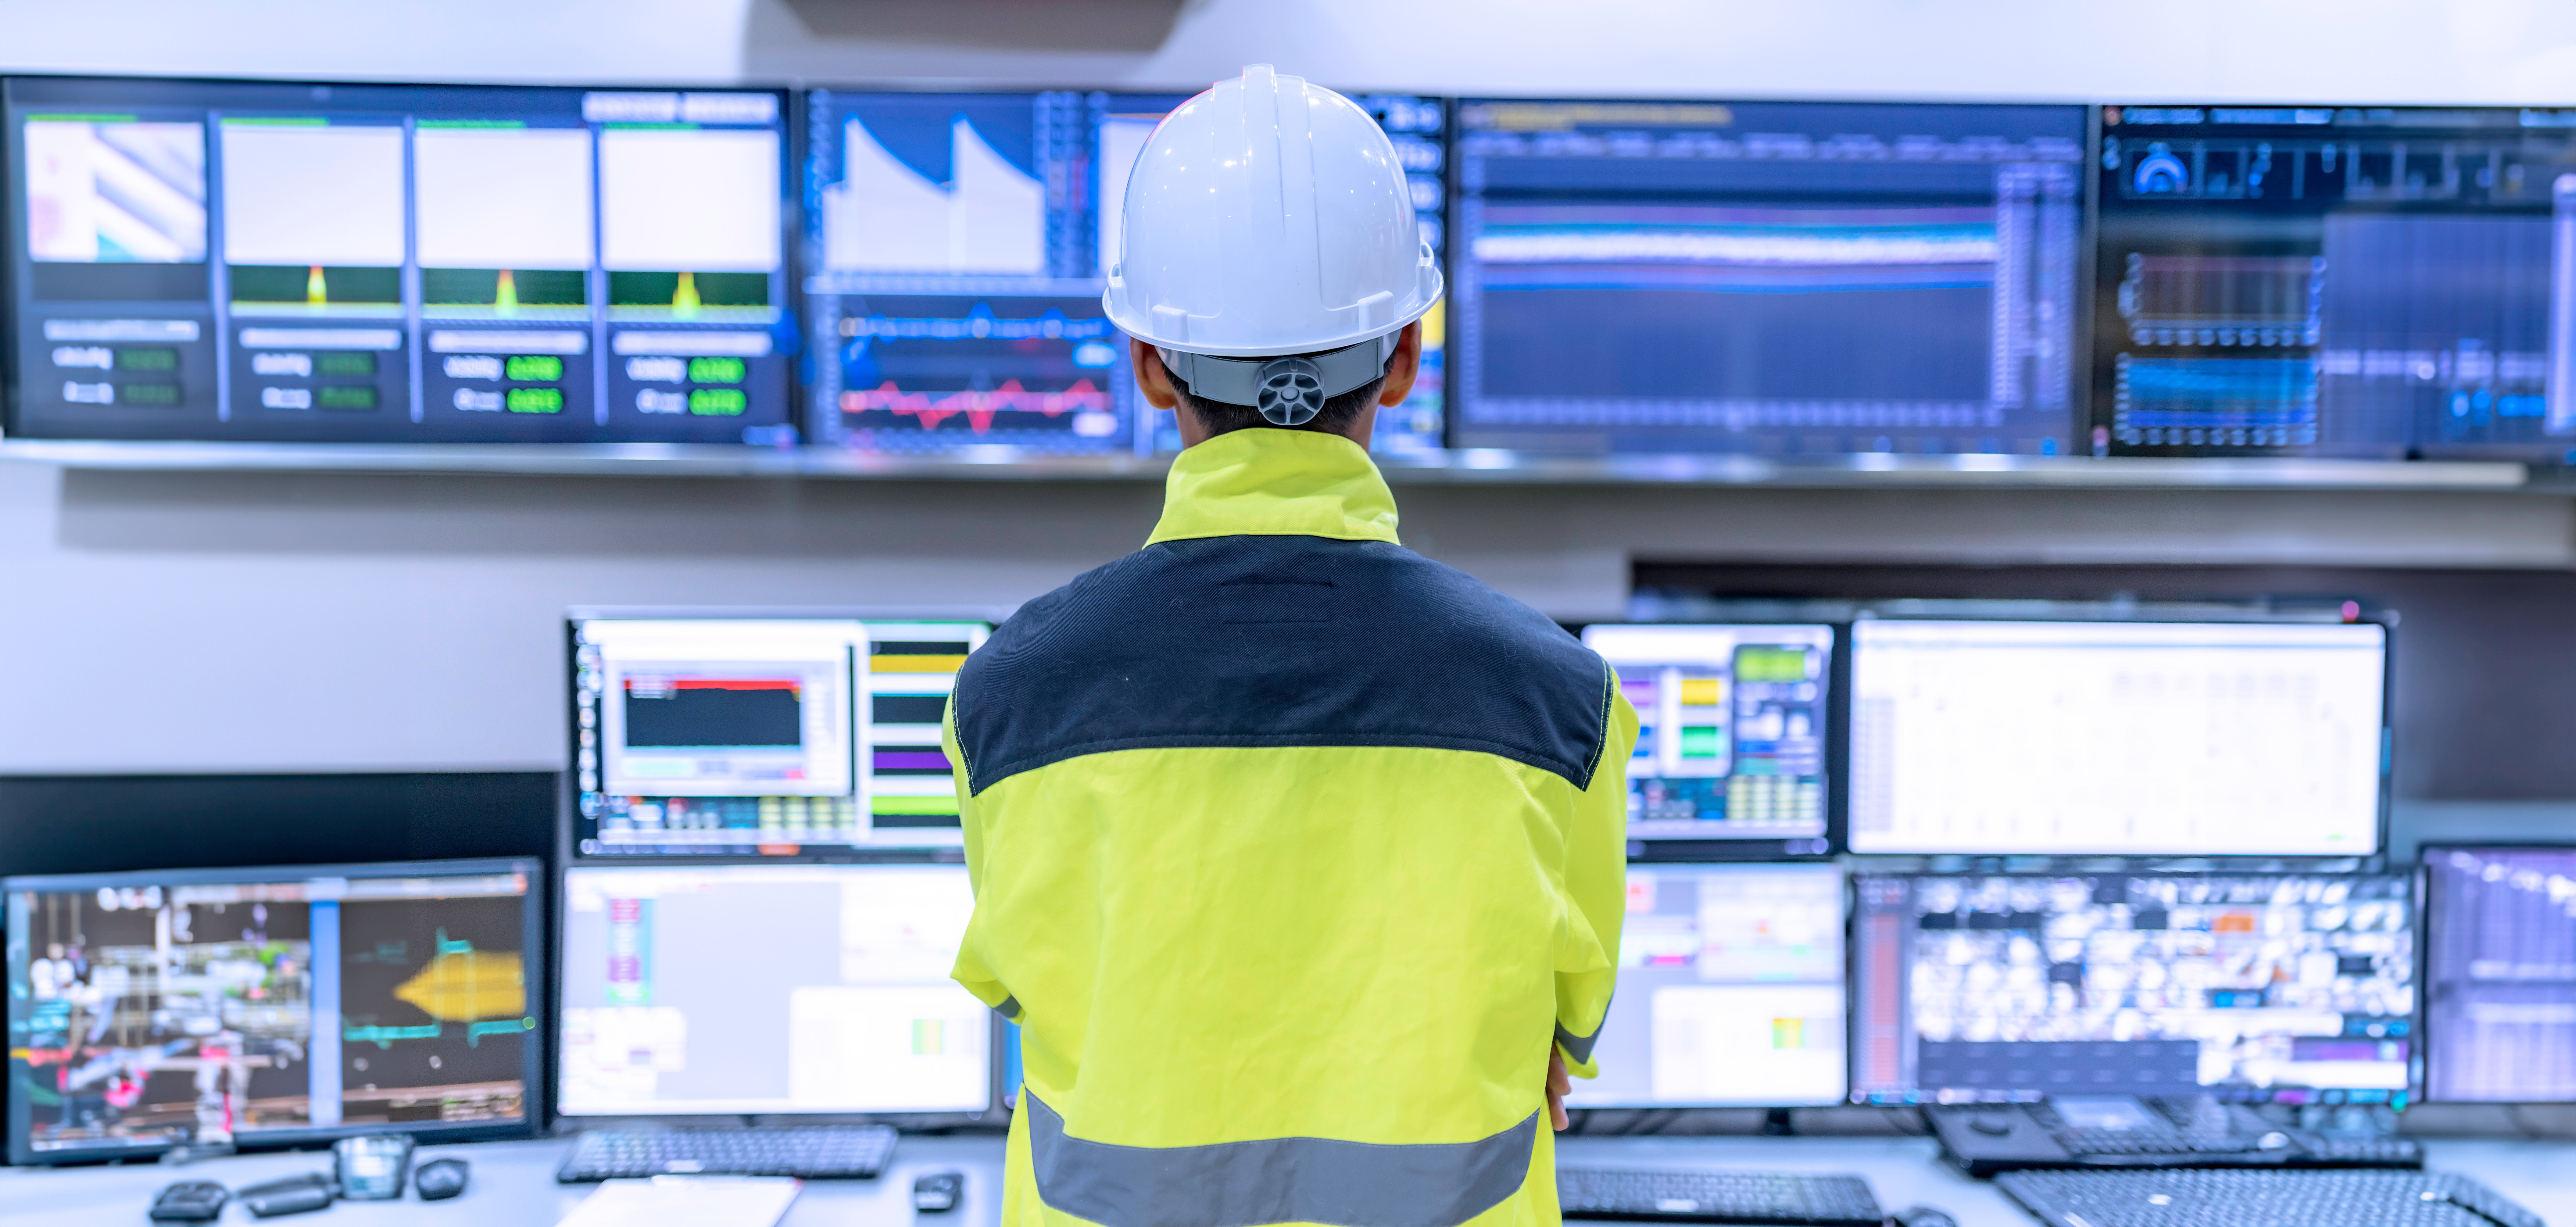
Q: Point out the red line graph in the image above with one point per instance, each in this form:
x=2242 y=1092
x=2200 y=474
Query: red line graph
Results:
x=977 y=406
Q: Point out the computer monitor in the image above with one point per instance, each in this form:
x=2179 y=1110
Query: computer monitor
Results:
x=284 y=261
x=2133 y=738
x=1731 y=728
x=768 y=989
x=1775 y=278
x=271 y=1007
x=698 y=735
x=2500 y=974
x=957 y=247
x=2290 y=988
x=1730 y=990
x=2373 y=282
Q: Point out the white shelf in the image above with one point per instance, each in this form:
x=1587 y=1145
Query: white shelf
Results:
x=1463 y=467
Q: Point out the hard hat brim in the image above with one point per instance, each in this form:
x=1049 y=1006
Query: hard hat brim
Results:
x=1137 y=324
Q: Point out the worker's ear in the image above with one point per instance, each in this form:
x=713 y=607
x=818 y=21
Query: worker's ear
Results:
x=1155 y=384
x=1151 y=379
x=1407 y=365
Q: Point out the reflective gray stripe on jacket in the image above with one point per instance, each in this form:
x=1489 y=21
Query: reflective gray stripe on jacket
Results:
x=1275 y=1180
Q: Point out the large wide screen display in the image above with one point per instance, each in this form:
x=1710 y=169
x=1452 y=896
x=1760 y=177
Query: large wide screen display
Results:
x=957 y=247
x=1774 y=278
x=1994 y=988
x=362 y=263
x=2370 y=282
x=2117 y=738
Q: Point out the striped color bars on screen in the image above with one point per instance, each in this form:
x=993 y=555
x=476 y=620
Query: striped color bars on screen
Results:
x=908 y=675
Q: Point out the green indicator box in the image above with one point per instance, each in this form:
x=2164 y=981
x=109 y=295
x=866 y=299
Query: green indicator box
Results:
x=535 y=400
x=158 y=395
x=913 y=805
x=1703 y=741
x=147 y=359
x=533 y=368
x=715 y=370
x=345 y=364
x=1770 y=664
x=344 y=397
x=718 y=402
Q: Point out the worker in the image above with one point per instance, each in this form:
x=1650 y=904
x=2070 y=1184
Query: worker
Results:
x=1298 y=858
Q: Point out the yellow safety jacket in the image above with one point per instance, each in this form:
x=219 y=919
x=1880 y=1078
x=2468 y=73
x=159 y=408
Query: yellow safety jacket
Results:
x=1292 y=849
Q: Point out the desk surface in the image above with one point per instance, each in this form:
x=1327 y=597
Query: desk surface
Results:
x=514 y=1185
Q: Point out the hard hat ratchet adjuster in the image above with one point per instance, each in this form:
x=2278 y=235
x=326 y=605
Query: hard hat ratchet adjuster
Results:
x=1289 y=391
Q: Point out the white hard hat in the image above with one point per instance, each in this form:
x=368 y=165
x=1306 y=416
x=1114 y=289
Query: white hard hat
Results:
x=1268 y=217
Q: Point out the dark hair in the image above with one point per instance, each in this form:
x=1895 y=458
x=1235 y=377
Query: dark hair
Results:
x=1221 y=417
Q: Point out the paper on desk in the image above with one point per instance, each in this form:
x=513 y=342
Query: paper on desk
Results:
x=686 y=1201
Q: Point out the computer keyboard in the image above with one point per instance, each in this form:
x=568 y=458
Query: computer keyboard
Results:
x=814 y=1152
x=2239 y=1197
x=1718 y=1197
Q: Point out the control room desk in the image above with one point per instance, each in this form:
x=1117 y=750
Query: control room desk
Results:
x=514 y=1181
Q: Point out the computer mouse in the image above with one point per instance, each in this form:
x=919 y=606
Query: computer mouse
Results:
x=190 y=1201
x=292 y=1195
x=938 y=1192
x=1923 y=1216
x=439 y=1179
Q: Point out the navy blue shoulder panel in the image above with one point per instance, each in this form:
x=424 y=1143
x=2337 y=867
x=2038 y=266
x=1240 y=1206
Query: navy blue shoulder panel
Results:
x=1279 y=641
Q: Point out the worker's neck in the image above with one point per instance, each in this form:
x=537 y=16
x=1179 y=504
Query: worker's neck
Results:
x=1194 y=432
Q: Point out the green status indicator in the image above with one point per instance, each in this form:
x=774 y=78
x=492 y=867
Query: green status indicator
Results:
x=344 y=396
x=718 y=402
x=534 y=368
x=715 y=370
x=345 y=364
x=536 y=400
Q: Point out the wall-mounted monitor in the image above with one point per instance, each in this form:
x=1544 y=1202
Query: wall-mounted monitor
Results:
x=957 y=248
x=199 y=260
x=1766 y=278
x=2369 y=282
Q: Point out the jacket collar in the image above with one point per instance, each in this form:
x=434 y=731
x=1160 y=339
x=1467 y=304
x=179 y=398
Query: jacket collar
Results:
x=1276 y=483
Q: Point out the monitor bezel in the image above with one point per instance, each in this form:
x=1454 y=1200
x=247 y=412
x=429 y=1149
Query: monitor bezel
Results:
x=1843 y=875
x=1919 y=1096
x=2385 y=793
x=1678 y=849
x=13 y=222
x=562 y=1122
x=2425 y=878
x=537 y=1063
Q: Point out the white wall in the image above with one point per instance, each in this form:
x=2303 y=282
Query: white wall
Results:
x=233 y=621
x=262 y=622
x=2499 y=51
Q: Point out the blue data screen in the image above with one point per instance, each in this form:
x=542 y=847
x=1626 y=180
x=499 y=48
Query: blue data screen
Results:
x=1766 y=278
x=957 y=246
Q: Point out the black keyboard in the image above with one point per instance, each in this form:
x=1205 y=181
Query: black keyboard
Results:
x=2239 y=1197
x=1718 y=1197
x=813 y=1152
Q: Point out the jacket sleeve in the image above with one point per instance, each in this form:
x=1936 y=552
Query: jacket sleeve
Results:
x=971 y=971
x=1596 y=884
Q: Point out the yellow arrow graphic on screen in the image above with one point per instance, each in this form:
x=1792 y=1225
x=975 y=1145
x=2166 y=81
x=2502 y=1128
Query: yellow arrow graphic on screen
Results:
x=463 y=984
